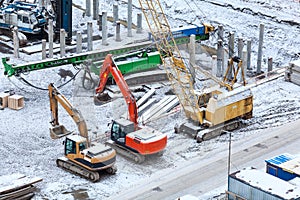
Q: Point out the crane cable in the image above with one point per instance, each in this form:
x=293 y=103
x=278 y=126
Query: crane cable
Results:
x=197 y=16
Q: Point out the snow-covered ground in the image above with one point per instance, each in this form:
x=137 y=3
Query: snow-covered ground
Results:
x=25 y=144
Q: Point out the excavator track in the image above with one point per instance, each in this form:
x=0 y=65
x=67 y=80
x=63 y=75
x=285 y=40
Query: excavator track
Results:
x=93 y=176
x=138 y=158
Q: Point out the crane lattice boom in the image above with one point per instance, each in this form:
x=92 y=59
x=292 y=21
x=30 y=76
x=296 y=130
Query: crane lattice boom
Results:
x=177 y=71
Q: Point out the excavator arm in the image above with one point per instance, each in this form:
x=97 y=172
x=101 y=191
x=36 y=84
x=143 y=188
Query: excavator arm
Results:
x=57 y=130
x=110 y=67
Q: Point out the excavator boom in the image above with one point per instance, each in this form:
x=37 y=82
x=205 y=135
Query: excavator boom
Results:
x=110 y=67
x=81 y=157
x=127 y=138
x=58 y=131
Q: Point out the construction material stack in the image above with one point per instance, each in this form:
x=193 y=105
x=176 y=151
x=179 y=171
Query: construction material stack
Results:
x=292 y=73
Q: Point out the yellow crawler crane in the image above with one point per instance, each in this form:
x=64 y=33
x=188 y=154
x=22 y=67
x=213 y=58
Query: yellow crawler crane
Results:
x=81 y=156
x=216 y=107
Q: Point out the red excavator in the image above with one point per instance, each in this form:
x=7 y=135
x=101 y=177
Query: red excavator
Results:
x=126 y=137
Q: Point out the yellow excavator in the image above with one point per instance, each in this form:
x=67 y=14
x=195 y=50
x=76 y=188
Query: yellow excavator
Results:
x=82 y=157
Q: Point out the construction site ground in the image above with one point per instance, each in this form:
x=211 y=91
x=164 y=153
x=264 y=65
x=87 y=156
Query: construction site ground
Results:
x=26 y=146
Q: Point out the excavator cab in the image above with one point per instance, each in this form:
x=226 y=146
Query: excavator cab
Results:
x=118 y=133
x=74 y=144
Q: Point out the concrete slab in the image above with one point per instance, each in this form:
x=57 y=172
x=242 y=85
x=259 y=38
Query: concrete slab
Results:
x=146 y=77
x=142 y=100
x=156 y=108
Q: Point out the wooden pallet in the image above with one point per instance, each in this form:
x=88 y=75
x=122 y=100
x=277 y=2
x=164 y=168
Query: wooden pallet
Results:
x=17 y=186
x=3 y=99
x=16 y=102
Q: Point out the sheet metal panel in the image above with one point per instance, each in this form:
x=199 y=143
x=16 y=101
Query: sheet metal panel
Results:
x=252 y=184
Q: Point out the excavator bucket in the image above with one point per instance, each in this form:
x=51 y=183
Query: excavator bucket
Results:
x=101 y=99
x=59 y=131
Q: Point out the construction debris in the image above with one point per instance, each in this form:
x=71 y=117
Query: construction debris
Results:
x=17 y=186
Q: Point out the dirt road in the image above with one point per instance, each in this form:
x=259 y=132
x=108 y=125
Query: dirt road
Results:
x=200 y=176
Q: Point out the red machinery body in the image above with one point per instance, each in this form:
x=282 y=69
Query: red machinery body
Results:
x=126 y=133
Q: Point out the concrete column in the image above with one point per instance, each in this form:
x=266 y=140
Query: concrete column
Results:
x=219 y=58
x=115 y=14
x=214 y=65
x=270 y=64
x=62 y=39
x=244 y=59
x=16 y=42
x=231 y=44
x=79 y=42
x=50 y=38
x=118 y=31
x=88 y=8
x=240 y=47
x=225 y=58
x=260 y=45
x=89 y=36
x=43 y=49
x=99 y=22
x=249 y=54
x=139 y=23
x=229 y=75
x=129 y=19
x=193 y=56
x=231 y=52
x=220 y=32
x=95 y=9
x=104 y=28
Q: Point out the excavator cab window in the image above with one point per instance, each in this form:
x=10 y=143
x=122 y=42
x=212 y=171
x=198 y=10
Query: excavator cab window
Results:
x=117 y=134
x=70 y=147
x=82 y=146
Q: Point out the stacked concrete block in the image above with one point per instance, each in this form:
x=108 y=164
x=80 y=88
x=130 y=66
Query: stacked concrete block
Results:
x=293 y=72
x=4 y=99
x=16 y=102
